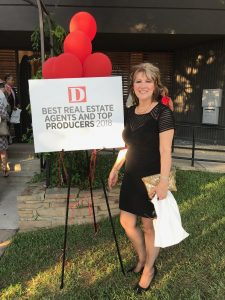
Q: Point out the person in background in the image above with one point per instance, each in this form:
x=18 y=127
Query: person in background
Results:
x=166 y=100
x=14 y=103
x=148 y=135
x=4 y=106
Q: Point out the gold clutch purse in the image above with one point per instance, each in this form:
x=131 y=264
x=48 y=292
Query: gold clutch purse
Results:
x=153 y=180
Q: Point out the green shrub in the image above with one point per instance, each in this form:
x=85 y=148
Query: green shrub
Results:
x=76 y=162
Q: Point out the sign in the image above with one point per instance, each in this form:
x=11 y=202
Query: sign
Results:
x=77 y=113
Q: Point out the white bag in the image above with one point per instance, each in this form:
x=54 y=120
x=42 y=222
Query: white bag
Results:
x=167 y=225
x=15 y=117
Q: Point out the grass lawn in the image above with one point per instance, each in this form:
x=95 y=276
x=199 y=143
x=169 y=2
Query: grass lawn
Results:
x=194 y=269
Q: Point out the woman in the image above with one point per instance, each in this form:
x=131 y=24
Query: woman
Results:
x=3 y=139
x=14 y=103
x=148 y=135
x=166 y=100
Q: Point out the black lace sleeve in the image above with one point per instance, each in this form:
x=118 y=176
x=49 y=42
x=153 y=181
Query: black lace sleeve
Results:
x=166 y=120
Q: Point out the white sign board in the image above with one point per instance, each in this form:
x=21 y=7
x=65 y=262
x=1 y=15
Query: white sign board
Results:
x=77 y=113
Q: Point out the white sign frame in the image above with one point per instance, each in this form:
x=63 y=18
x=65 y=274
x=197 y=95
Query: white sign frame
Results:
x=77 y=113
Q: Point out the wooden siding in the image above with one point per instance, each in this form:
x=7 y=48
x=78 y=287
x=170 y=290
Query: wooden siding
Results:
x=123 y=62
x=8 y=63
x=197 y=68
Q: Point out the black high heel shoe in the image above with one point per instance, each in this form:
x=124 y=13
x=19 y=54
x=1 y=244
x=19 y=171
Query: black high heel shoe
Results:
x=131 y=270
x=139 y=290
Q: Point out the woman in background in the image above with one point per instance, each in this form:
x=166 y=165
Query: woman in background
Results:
x=166 y=100
x=3 y=138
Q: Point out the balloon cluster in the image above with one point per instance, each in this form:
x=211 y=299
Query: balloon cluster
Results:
x=78 y=59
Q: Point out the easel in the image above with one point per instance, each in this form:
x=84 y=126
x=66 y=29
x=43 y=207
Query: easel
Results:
x=90 y=179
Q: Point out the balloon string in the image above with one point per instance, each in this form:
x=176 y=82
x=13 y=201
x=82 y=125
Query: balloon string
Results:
x=90 y=209
x=92 y=166
x=63 y=164
x=91 y=177
x=59 y=167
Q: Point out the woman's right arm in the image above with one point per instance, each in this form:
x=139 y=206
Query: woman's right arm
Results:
x=113 y=176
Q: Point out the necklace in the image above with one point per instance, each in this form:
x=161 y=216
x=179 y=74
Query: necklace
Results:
x=143 y=111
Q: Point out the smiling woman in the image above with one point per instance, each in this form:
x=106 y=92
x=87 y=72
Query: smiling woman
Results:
x=148 y=136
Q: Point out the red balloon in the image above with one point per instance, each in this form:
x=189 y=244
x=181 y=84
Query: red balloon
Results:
x=47 y=69
x=67 y=66
x=85 y=22
x=97 y=65
x=79 y=44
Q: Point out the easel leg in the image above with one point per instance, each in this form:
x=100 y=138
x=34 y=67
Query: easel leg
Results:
x=65 y=233
x=112 y=225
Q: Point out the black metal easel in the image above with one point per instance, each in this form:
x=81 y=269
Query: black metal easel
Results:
x=113 y=228
x=65 y=231
x=95 y=224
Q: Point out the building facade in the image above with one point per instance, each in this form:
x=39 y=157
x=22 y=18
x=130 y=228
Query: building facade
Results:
x=186 y=39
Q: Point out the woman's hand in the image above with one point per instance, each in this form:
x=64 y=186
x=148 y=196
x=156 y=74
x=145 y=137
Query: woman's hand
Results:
x=113 y=177
x=152 y=192
x=161 y=190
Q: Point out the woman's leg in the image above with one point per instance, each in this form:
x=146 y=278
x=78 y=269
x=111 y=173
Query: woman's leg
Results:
x=135 y=235
x=151 y=252
x=3 y=155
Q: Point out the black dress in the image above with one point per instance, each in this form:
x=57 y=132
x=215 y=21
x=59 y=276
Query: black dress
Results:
x=141 y=135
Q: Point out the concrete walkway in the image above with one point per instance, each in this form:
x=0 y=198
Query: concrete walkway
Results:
x=23 y=165
x=201 y=154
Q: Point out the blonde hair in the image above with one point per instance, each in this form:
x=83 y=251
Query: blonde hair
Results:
x=165 y=90
x=152 y=72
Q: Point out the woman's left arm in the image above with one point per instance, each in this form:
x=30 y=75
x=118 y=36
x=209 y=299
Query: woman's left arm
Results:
x=165 y=140
x=170 y=104
x=3 y=112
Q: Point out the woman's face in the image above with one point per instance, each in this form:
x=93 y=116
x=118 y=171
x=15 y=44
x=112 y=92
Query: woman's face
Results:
x=143 y=86
x=10 y=81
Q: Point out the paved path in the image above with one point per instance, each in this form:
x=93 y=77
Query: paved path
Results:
x=22 y=167
x=202 y=154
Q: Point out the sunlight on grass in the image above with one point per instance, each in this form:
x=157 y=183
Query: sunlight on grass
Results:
x=220 y=183
x=166 y=278
x=48 y=280
x=207 y=191
x=11 y=292
x=214 y=226
x=189 y=203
